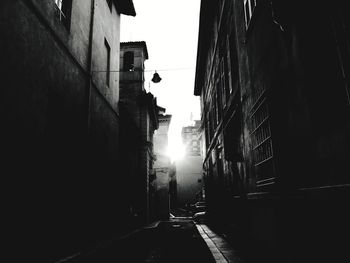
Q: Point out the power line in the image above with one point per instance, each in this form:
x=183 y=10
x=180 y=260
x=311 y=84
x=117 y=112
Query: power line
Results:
x=148 y=70
x=171 y=69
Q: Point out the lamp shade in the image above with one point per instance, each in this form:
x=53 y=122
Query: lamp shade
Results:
x=156 y=78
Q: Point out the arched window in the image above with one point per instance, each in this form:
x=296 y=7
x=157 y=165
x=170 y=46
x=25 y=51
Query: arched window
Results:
x=128 y=61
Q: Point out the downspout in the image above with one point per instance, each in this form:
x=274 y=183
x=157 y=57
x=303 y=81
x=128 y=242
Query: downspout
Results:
x=89 y=65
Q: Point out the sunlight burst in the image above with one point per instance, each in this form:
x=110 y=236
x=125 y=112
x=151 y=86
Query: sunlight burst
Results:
x=176 y=151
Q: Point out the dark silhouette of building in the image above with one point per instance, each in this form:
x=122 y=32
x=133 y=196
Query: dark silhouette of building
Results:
x=162 y=168
x=60 y=125
x=273 y=77
x=143 y=113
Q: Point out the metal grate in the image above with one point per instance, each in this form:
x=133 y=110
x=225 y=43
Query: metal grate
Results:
x=260 y=133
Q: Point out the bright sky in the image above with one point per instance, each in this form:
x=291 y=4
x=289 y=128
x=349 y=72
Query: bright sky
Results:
x=170 y=30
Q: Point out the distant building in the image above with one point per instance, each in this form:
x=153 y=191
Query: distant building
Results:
x=189 y=172
x=191 y=139
x=60 y=123
x=138 y=108
x=273 y=79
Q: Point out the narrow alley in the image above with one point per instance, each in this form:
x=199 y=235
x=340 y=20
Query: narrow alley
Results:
x=162 y=131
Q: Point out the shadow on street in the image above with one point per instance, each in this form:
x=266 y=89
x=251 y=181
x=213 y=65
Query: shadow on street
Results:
x=176 y=240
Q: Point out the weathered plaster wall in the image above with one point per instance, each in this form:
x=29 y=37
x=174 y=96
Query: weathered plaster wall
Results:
x=106 y=26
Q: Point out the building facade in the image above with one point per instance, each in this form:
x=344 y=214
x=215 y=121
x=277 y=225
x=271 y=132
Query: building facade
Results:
x=143 y=113
x=161 y=168
x=189 y=172
x=60 y=122
x=273 y=78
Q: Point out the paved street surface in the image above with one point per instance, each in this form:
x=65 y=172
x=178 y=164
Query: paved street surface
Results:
x=179 y=241
x=176 y=240
x=221 y=250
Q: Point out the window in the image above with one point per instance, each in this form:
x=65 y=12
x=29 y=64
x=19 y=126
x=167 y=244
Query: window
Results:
x=249 y=6
x=64 y=11
x=128 y=61
x=109 y=3
x=108 y=62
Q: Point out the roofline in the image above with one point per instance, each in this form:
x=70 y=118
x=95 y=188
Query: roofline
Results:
x=136 y=43
x=204 y=19
x=165 y=117
x=197 y=89
x=161 y=108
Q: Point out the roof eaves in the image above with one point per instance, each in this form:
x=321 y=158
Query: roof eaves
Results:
x=201 y=32
x=125 y=7
x=205 y=19
x=136 y=43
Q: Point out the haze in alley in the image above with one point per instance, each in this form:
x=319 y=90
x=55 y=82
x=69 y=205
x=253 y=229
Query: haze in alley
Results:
x=175 y=131
x=172 y=48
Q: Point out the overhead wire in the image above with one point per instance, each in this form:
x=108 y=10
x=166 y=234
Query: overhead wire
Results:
x=147 y=70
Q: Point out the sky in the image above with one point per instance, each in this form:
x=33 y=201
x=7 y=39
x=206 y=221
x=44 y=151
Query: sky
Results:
x=170 y=30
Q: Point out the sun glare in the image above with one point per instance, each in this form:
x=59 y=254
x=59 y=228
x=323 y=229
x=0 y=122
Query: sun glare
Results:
x=176 y=151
